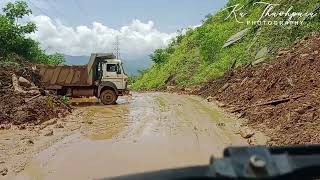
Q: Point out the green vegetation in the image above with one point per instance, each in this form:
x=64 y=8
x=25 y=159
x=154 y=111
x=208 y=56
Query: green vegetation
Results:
x=132 y=80
x=15 y=45
x=198 y=56
x=65 y=99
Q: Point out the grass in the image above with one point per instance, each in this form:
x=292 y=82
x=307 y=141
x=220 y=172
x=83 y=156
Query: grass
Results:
x=198 y=56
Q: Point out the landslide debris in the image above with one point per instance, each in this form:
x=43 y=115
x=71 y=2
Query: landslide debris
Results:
x=281 y=97
x=22 y=99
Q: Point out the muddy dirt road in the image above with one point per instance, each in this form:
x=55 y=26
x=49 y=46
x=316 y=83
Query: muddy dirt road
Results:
x=148 y=131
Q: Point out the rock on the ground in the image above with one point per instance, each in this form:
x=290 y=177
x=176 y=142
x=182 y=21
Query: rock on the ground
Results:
x=24 y=82
x=224 y=87
x=282 y=52
x=236 y=37
x=48 y=132
x=188 y=90
x=5 y=126
x=220 y=104
x=50 y=122
x=59 y=126
x=246 y=133
x=29 y=141
x=171 y=88
x=261 y=56
x=210 y=99
x=3 y=171
x=22 y=127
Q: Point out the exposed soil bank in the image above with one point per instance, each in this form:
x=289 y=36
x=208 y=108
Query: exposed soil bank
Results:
x=23 y=101
x=281 y=97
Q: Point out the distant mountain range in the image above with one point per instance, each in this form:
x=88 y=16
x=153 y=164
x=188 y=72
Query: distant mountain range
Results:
x=131 y=66
x=76 y=60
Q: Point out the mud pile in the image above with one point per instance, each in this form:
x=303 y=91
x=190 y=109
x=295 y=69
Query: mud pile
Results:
x=281 y=97
x=23 y=101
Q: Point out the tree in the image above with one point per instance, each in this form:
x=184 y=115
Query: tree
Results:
x=13 y=38
x=159 y=56
x=56 y=58
x=17 y=10
x=12 y=34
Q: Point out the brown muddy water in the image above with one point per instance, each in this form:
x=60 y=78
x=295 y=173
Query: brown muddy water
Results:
x=143 y=132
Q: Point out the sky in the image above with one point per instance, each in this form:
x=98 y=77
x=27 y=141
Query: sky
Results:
x=79 y=27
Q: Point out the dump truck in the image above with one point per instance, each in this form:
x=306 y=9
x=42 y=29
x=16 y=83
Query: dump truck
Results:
x=103 y=77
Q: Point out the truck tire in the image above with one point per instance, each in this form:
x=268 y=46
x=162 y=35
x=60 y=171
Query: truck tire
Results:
x=108 y=97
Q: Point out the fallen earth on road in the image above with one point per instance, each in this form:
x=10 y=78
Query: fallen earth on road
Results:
x=148 y=131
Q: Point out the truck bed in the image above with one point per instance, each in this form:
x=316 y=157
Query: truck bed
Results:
x=58 y=76
x=53 y=76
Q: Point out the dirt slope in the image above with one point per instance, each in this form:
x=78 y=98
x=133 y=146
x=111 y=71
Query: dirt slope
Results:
x=282 y=97
x=26 y=102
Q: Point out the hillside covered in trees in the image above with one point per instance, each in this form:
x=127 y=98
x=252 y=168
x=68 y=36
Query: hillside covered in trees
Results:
x=244 y=32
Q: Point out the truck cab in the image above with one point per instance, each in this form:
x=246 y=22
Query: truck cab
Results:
x=113 y=81
x=113 y=71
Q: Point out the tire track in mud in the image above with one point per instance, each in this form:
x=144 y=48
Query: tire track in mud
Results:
x=198 y=119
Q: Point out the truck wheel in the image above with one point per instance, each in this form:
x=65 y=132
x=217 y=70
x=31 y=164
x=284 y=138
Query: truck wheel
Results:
x=108 y=97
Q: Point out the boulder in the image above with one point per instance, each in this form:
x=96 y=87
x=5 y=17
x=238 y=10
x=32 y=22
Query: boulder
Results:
x=246 y=133
x=233 y=39
x=210 y=99
x=261 y=56
x=24 y=82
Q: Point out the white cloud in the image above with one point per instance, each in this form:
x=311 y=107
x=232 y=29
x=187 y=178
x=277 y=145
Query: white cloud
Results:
x=136 y=39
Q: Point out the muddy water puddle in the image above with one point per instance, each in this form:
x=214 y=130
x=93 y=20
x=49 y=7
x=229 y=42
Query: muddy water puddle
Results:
x=141 y=133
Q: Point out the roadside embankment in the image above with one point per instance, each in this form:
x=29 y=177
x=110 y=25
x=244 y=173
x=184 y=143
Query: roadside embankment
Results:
x=280 y=97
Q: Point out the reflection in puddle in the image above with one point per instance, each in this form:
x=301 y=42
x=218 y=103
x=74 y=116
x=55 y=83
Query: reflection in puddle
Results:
x=104 y=122
x=92 y=101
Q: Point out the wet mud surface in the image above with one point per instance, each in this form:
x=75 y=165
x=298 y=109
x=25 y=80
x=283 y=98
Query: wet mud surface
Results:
x=143 y=132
